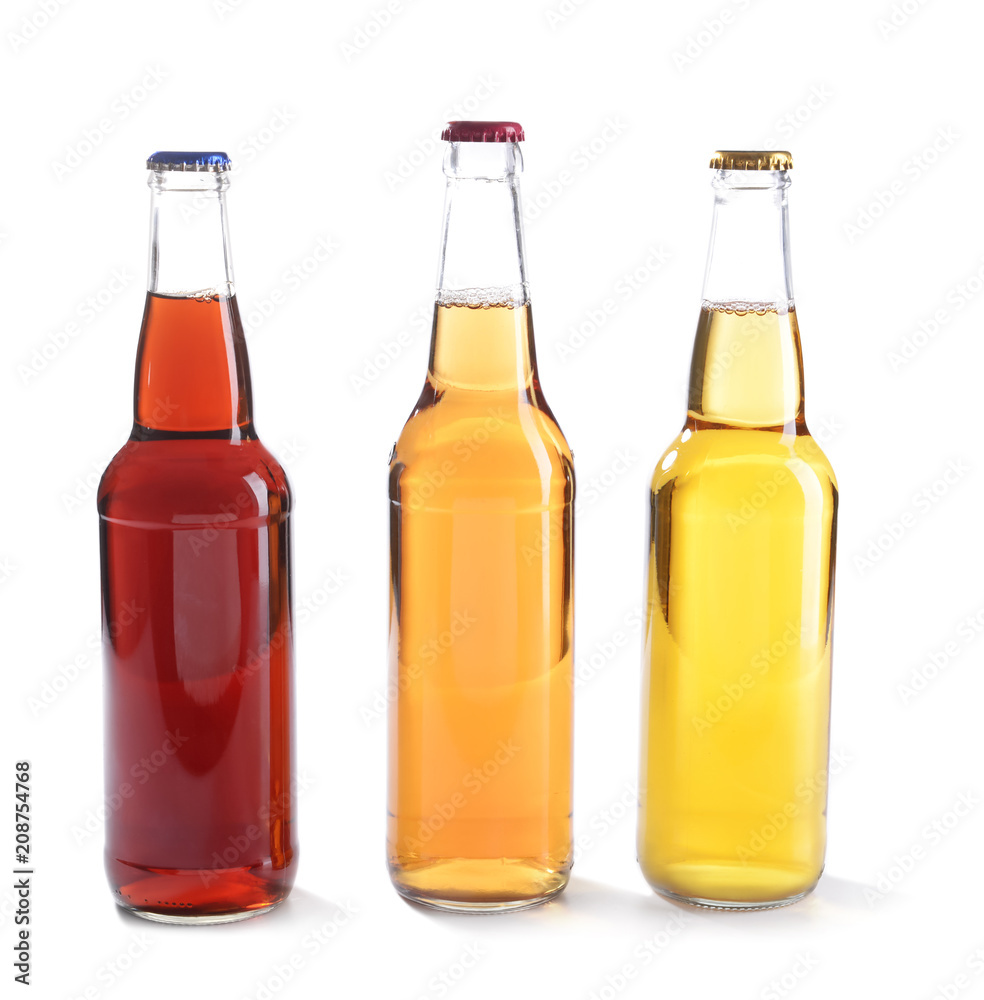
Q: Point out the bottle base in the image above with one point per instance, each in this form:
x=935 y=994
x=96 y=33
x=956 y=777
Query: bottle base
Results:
x=200 y=920
x=198 y=895
x=734 y=904
x=478 y=885
x=733 y=887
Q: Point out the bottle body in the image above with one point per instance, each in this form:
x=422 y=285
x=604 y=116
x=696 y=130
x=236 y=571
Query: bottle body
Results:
x=739 y=617
x=197 y=636
x=481 y=508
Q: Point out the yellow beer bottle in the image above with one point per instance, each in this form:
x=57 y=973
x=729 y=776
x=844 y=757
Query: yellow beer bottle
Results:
x=739 y=606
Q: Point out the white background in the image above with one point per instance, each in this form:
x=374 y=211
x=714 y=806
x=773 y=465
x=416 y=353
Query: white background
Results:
x=856 y=99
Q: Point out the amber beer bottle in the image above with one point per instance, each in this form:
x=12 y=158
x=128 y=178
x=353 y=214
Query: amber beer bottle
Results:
x=196 y=594
x=739 y=606
x=481 y=508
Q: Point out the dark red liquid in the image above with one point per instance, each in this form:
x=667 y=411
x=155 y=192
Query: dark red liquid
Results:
x=194 y=523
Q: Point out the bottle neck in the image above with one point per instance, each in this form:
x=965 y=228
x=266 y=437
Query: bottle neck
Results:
x=189 y=234
x=747 y=366
x=192 y=374
x=483 y=335
x=748 y=256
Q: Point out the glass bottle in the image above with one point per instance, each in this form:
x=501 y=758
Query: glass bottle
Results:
x=739 y=605
x=481 y=532
x=196 y=593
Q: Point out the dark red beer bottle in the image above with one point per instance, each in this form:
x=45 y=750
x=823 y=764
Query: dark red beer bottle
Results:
x=194 y=517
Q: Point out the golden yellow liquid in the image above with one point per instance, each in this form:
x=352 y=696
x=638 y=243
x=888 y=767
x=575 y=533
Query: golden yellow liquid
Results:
x=736 y=696
x=481 y=491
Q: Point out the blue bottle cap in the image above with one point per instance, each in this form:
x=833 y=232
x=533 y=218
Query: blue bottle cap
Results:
x=171 y=160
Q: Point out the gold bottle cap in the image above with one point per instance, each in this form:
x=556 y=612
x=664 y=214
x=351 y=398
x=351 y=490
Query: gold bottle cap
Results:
x=751 y=159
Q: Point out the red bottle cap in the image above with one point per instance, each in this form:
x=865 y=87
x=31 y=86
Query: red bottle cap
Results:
x=483 y=132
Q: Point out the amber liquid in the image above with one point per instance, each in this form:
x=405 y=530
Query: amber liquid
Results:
x=738 y=637
x=194 y=523
x=481 y=502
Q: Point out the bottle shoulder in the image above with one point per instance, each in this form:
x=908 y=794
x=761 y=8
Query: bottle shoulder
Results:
x=488 y=444
x=739 y=453
x=483 y=425
x=177 y=481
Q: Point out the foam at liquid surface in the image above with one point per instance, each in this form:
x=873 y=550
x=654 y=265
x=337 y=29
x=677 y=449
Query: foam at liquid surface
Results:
x=740 y=307
x=506 y=295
